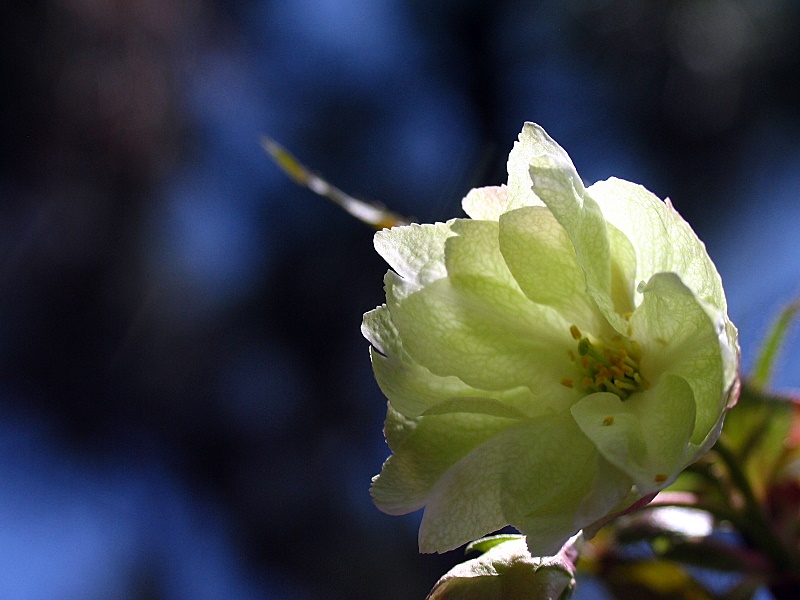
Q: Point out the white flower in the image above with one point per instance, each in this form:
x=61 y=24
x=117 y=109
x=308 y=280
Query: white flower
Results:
x=561 y=354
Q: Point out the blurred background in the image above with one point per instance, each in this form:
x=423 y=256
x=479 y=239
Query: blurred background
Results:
x=187 y=409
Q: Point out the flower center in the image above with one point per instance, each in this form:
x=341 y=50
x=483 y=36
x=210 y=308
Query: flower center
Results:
x=606 y=367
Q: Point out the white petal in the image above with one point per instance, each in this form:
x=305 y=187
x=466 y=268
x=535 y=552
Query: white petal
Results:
x=486 y=203
x=415 y=252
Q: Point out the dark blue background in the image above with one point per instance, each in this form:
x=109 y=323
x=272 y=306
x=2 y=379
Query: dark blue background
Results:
x=186 y=404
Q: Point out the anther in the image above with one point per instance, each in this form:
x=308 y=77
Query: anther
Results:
x=607 y=366
x=608 y=420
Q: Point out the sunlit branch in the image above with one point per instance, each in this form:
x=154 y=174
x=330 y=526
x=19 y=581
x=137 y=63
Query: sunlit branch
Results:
x=366 y=212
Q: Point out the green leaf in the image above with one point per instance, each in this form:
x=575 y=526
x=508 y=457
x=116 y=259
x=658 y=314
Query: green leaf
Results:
x=770 y=348
x=756 y=431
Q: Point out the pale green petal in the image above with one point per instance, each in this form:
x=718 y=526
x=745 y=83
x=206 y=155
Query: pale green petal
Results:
x=378 y=329
x=397 y=427
x=664 y=242
x=678 y=335
x=534 y=475
x=610 y=492
x=477 y=325
x=550 y=474
x=425 y=452
x=474 y=253
x=647 y=435
x=415 y=252
x=486 y=203
x=477 y=405
x=542 y=260
x=623 y=270
x=413 y=389
x=519 y=184
x=556 y=182
x=486 y=337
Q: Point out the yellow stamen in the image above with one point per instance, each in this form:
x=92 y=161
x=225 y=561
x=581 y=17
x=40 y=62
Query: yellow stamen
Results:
x=608 y=421
x=612 y=388
x=624 y=385
x=608 y=365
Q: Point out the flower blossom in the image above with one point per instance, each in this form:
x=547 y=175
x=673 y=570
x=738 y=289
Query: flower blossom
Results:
x=554 y=359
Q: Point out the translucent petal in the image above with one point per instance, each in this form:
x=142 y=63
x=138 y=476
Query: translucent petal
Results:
x=678 y=335
x=413 y=389
x=519 y=184
x=556 y=182
x=663 y=241
x=486 y=203
x=425 y=453
x=415 y=252
x=647 y=435
x=397 y=427
x=474 y=253
x=534 y=475
x=542 y=260
x=378 y=329
x=477 y=405
x=485 y=336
